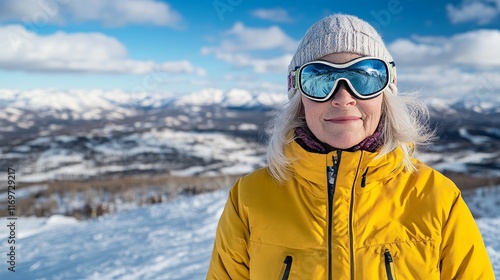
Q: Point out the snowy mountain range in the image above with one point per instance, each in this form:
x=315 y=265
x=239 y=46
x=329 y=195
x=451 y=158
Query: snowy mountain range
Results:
x=81 y=134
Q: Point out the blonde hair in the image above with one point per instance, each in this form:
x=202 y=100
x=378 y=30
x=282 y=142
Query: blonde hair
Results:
x=405 y=120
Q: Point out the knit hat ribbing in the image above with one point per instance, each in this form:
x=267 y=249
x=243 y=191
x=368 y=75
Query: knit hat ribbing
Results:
x=339 y=33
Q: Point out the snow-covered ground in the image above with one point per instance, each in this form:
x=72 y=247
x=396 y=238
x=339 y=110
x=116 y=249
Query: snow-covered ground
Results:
x=165 y=241
x=66 y=155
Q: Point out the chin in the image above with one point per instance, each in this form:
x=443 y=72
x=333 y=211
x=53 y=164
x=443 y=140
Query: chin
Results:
x=342 y=144
x=345 y=141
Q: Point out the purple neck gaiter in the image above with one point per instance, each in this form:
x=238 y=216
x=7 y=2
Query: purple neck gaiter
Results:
x=309 y=142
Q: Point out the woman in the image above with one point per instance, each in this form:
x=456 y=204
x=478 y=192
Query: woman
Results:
x=342 y=197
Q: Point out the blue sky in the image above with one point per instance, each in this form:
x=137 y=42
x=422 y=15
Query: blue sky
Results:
x=184 y=46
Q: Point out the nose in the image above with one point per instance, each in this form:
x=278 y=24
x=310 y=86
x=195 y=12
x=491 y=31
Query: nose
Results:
x=342 y=96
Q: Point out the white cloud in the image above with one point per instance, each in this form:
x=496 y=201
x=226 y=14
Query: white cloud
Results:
x=263 y=86
x=109 y=12
x=76 y=52
x=476 y=48
x=451 y=67
x=481 y=12
x=452 y=83
x=240 y=40
x=259 y=65
x=276 y=14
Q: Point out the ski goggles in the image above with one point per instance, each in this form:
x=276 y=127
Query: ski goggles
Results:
x=367 y=77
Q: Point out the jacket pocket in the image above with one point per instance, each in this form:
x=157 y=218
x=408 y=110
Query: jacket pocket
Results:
x=389 y=265
x=287 y=267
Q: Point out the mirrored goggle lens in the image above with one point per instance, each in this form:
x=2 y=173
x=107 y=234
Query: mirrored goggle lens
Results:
x=367 y=77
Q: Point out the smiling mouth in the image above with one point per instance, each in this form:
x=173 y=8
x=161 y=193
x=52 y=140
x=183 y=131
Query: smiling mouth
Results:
x=345 y=119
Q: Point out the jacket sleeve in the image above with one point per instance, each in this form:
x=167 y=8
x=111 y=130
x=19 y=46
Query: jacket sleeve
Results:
x=463 y=253
x=230 y=259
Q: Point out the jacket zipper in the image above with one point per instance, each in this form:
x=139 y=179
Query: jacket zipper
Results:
x=363 y=178
x=331 y=172
x=288 y=267
x=351 y=245
x=389 y=265
x=351 y=210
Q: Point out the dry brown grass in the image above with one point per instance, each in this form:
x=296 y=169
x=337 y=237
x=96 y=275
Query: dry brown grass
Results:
x=170 y=184
x=468 y=182
x=100 y=196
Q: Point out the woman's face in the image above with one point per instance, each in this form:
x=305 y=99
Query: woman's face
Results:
x=343 y=121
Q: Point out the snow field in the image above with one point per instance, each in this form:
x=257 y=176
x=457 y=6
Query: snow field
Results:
x=163 y=241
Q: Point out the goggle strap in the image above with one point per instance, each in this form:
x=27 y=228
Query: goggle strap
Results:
x=392 y=72
x=293 y=82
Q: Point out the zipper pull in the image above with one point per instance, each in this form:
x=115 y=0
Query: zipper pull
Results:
x=288 y=267
x=389 y=265
x=363 y=179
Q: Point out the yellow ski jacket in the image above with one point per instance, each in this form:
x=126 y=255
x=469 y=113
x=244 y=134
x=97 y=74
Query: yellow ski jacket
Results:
x=347 y=215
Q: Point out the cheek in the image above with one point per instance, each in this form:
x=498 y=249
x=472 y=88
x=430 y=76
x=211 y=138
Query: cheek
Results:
x=312 y=110
x=308 y=111
x=372 y=107
x=372 y=111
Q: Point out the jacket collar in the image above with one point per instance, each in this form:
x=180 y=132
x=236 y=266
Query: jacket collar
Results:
x=311 y=167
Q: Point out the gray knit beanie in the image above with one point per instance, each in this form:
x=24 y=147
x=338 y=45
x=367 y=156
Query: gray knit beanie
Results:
x=339 y=33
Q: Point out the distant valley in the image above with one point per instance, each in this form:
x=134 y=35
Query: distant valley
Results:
x=90 y=136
